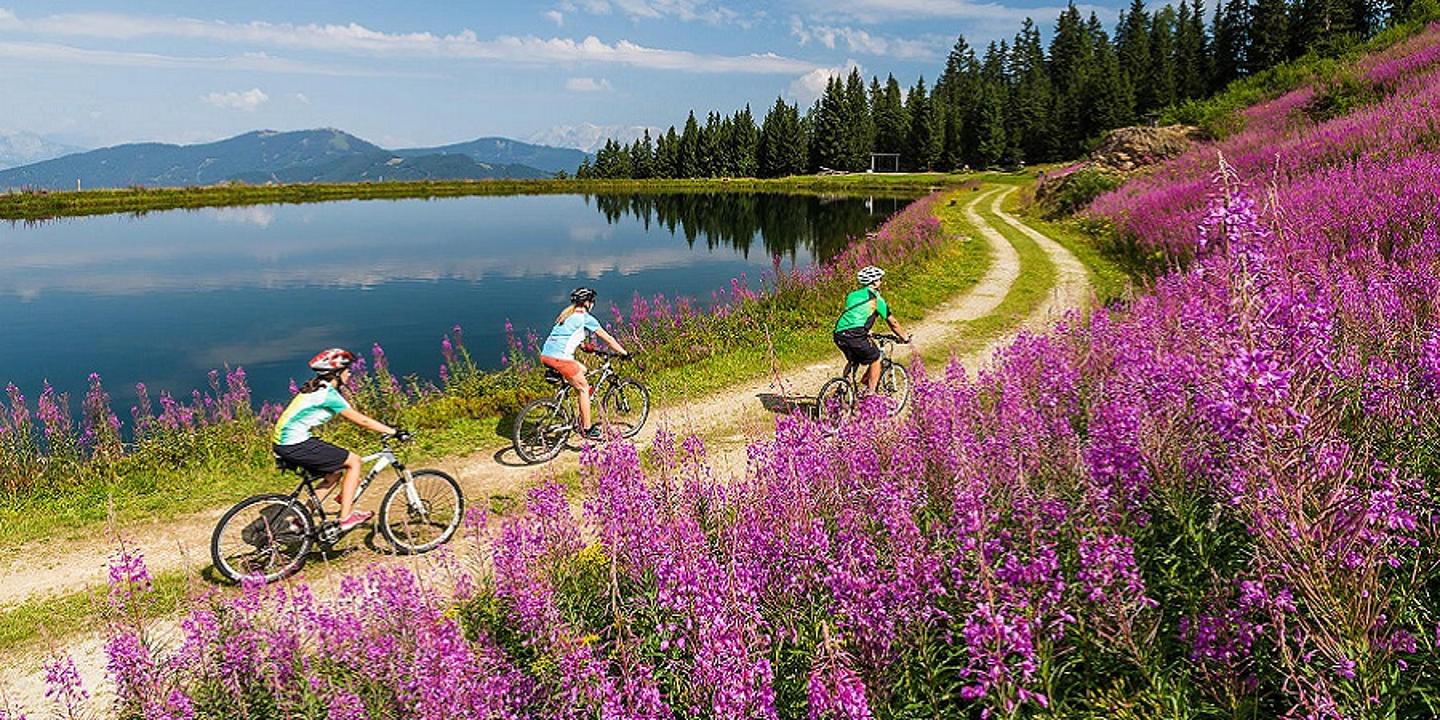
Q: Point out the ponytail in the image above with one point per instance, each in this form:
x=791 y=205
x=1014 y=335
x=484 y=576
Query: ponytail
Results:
x=318 y=382
x=566 y=313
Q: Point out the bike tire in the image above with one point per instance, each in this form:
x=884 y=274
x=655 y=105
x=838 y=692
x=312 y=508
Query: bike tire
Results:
x=411 y=532
x=619 y=406
x=240 y=520
x=834 y=403
x=895 y=384
x=538 y=435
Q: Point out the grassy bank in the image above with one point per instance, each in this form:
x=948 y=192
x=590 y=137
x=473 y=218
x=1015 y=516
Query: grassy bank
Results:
x=42 y=204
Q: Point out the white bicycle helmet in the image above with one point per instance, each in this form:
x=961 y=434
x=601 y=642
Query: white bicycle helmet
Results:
x=869 y=275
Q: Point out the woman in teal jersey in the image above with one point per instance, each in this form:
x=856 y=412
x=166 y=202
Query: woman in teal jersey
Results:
x=572 y=326
x=852 y=330
x=318 y=401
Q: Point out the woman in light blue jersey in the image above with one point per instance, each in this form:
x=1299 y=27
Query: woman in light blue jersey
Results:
x=571 y=327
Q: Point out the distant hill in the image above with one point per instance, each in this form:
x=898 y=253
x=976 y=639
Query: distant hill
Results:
x=504 y=151
x=381 y=166
x=326 y=155
x=23 y=148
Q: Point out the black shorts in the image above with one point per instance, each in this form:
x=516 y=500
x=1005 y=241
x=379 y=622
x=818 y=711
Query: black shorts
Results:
x=314 y=455
x=857 y=347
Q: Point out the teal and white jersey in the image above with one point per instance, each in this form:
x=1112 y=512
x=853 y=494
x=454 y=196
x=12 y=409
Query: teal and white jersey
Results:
x=306 y=412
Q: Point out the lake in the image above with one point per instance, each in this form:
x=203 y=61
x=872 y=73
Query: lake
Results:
x=165 y=297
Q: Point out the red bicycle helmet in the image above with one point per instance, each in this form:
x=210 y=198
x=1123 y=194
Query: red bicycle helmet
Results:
x=332 y=359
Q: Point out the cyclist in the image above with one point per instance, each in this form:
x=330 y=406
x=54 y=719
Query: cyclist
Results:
x=558 y=354
x=318 y=401
x=852 y=330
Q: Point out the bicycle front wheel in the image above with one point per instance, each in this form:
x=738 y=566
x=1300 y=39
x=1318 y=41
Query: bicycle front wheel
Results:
x=540 y=430
x=265 y=537
x=895 y=385
x=422 y=520
x=835 y=403
x=625 y=406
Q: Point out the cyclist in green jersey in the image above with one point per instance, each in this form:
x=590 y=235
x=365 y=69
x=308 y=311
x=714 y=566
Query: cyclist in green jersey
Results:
x=852 y=330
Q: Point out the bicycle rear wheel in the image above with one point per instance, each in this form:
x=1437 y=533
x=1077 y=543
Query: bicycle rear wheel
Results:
x=625 y=406
x=428 y=519
x=895 y=385
x=835 y=403
x=265 y=537
x=540 y=430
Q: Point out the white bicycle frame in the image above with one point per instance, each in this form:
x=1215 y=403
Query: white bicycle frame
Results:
x=384 y=459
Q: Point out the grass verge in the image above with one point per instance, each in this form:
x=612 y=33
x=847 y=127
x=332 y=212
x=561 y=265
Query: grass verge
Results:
x=33 y=205
x=28 y=626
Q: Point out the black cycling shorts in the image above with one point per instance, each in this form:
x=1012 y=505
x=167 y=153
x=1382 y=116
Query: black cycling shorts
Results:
x=857 y=347
x=314 y=455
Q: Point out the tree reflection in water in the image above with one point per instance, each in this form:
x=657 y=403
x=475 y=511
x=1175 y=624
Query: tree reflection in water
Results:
x=822 y=225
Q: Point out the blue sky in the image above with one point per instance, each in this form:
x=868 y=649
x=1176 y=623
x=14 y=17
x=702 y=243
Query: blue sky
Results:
x=427 y=72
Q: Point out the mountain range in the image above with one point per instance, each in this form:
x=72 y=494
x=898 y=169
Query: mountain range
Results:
x=23 y=148
x=322 y=155
x=590 y=137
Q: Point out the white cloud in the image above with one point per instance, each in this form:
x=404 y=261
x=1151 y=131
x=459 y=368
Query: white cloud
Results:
x=808 y=88
x=301 y=98
x=358 y=40
x=861 y=41
x=248 y=100
x=556 y=17
x=259 y=62
x=871 y=11
x=586 y=84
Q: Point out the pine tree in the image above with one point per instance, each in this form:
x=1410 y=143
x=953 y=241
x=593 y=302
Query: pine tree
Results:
x=920 y=145
x=688 y=160
x=1162 y=58
x=1132 y=45
x=859 y=125
x=989 y=109
x=642 y=157
x=783 y=142
x=1230 y=38
x=746 y=139
x=1070 y=50
x=1031 y=125
x=1269 y=35
x=1107 y=99
x=1192 y=74
x=830 y=147
x=892 y=125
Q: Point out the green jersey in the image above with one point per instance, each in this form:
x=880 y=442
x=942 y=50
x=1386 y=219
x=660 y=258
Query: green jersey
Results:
x=306 y=412
x=861 y=308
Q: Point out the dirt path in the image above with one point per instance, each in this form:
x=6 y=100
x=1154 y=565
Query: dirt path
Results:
x=731 y=418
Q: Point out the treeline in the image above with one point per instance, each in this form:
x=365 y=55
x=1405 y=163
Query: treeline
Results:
x=1015 y=102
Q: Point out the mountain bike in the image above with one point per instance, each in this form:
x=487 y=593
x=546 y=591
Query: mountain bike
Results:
x=269 y=537
x=836 y=401
x=543 y=426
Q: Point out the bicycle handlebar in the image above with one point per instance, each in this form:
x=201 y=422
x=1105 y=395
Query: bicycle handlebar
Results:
x=886 y=337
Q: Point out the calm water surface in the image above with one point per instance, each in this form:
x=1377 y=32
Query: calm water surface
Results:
x=164 y=298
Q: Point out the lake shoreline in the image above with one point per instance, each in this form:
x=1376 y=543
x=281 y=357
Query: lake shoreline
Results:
x=40 y=205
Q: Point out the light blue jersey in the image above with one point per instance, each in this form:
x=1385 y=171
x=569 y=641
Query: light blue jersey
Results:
x=567 y=335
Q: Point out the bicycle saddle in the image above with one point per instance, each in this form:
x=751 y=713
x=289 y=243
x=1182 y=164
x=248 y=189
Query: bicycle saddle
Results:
x=552 y=377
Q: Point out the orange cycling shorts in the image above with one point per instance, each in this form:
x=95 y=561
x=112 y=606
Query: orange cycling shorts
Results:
x=568 y=368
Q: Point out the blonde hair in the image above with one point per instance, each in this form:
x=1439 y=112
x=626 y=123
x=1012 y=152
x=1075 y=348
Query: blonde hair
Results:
x=567 y=312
